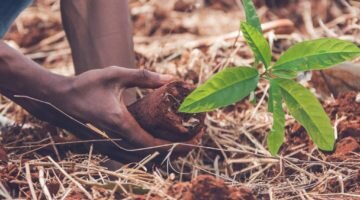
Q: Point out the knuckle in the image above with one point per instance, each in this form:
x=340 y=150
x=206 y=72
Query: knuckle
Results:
x=112 y=73
x=143 y=74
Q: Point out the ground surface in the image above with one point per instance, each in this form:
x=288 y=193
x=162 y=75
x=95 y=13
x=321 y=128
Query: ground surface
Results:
x=193 y=39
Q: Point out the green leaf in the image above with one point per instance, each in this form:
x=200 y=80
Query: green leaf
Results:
x=288 y=74
x=276 y=137
x=317 y=54
x=251 y=16
x=271 y=96
x=224 y=88
x=257 y=42
x=308 y=111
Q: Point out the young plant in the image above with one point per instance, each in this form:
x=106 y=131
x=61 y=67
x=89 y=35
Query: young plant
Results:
x=233 y=84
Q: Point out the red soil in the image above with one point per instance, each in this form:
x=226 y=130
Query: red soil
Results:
x=205 y=187
x=157 y=113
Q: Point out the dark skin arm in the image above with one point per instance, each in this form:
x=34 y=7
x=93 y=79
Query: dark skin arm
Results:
x=100 y=36
x=93 y=97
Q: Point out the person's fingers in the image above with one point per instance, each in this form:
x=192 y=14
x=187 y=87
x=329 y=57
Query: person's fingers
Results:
x=140 y=137
x=141 y=78
x=147 y=79
x=134 y=134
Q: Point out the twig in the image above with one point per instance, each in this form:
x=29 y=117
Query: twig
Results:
x=4 y=192
x=43 y=183
x=29 y=181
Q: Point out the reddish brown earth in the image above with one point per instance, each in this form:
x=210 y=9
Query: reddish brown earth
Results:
x=205 y=187
x=349 y=128
x=348 y=142
x=346 y=146
x=346 y=106
x=157 y=113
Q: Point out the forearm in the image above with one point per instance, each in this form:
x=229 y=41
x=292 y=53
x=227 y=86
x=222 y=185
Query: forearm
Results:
x=99 y=33
x=21 y=76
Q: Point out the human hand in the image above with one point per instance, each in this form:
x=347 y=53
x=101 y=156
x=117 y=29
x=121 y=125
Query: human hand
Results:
x=96 y=97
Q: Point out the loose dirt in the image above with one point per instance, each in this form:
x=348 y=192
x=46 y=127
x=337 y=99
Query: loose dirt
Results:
x=206 y=187
x=344 y=111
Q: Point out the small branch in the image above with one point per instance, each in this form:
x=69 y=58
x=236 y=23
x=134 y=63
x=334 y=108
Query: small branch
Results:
x=29 y=181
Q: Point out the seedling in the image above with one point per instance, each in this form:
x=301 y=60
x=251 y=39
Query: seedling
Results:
x=233 y=84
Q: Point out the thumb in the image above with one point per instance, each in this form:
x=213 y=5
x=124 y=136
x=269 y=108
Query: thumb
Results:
x=146 y=79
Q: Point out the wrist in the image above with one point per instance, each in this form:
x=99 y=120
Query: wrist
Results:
x=40 y=84
x=54 y=86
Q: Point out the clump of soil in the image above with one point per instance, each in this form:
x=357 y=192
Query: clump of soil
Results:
x=347 y=108
x=205 y=187
x=209 y=188
x=346 y=146
x=158 y=113
x=344 y=105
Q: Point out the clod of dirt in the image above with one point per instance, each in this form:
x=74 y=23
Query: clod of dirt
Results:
x=157 y=113
x=203 y=187
x=344 y=149
x=207 y=187
x=346 y=146
x=345 y=104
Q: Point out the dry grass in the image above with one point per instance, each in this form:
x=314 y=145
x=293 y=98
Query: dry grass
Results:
x=234 y=146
